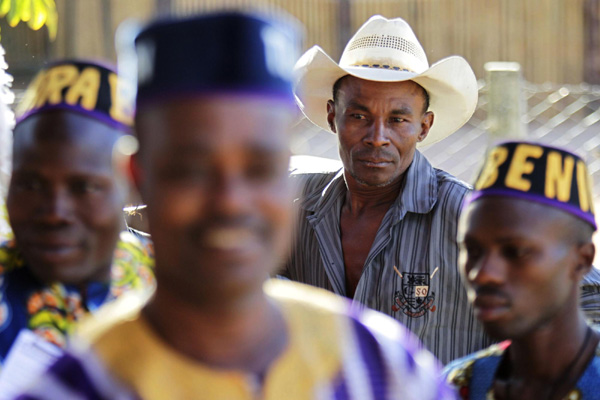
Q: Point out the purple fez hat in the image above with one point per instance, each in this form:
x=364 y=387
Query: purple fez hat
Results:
x=538 y=173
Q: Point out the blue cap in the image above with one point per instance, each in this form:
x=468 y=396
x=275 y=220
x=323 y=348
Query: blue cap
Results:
x=216 y=52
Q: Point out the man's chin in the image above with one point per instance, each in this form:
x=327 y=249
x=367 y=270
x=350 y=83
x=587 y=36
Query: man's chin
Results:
x=68 y=274
x=499 y=331
x=374 y=180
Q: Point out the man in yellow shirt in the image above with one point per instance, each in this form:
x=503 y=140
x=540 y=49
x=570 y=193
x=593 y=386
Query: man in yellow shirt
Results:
x=214 y=107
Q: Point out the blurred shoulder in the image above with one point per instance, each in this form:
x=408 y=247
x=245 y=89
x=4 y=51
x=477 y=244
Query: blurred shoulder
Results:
x=309 y=173
x=378 y=345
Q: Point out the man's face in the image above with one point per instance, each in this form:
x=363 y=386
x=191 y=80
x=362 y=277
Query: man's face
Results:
x=64 y=203
x=520 y=270
x=213 y=172
x=379 y=125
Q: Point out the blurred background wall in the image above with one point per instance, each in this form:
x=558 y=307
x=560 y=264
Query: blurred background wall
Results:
x=553 y=40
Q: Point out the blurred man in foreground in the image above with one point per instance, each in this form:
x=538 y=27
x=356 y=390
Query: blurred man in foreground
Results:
x=526 y=244
x=69 y=255
x=214 y=107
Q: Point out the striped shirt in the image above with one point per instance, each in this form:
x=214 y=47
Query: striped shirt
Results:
x=418 y=236
x=333 y=352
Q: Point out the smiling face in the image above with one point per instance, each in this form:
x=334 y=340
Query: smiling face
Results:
x=522 y=263
x=64 y=203
x=379 y=125
x=214 y=173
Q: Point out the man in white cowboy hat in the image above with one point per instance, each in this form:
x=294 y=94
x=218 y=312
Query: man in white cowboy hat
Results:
x=382 y=230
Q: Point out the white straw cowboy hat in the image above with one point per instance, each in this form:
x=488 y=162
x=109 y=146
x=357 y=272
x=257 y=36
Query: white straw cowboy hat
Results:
x=387 y=50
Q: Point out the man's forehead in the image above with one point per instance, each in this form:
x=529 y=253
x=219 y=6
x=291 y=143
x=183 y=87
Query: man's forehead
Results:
x=203 y=122
x=499 y=215
x=355 y=91
x=352 y=82
x=67 y=130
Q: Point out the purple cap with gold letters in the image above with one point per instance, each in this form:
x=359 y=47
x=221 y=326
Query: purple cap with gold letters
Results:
x=538 y=173
x=86 y=87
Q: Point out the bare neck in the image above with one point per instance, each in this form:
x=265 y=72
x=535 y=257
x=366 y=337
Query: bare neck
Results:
x=247 y=336
x=360 y=197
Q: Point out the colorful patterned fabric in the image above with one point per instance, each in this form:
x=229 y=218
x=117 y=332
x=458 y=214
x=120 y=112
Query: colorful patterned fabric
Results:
x=52 y=310
x=473 y=376
x=332 y=353
x=5 y=230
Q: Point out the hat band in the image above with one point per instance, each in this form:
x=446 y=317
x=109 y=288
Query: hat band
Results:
x=391 y=42
x=566 y=207
x=383 y=66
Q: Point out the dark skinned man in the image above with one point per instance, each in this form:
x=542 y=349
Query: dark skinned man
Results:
x=70 y=253
x=526 y=245
x=214 y=110
x=382 y=231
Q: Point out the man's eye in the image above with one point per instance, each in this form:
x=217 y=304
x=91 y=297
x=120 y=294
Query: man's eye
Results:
x=358 y=116
x=177 y=173
x=516 y=252
x=262 y=171
x=86 y=187
x=397 y=119
x=473 y=252
x=28 y=184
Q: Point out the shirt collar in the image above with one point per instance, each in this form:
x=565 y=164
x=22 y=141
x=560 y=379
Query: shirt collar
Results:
x=332 y=191
x=418 y=194
x=420 y=189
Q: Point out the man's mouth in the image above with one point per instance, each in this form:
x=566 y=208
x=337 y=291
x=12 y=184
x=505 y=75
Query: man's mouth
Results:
x=229 y=239
x=489 y=307
x=54 y=250
x=375 y=162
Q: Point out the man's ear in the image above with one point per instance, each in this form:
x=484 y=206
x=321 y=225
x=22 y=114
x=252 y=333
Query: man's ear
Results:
x=585 y=254
x=331 y=115
x=426 y=123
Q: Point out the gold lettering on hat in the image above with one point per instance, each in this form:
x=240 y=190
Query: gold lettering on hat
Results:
x=559 y=179
x=520 y=166
x=56 y=79
x=489 y=174
x=583 y=188
x=85 y=88
x=31 y=95
x=119 y=108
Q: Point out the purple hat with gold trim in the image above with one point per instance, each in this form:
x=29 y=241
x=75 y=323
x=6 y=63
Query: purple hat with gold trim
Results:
x=539 y=173
x=85 y=87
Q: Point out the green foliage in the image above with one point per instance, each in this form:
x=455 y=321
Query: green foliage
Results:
x=36 y=13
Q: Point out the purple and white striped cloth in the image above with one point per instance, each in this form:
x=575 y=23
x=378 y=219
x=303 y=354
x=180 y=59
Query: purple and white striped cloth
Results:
x=333 y=353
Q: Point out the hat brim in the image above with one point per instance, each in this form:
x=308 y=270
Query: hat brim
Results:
x=450 y=83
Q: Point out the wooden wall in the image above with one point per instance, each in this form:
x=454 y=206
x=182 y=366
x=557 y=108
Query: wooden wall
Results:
x=546 y=36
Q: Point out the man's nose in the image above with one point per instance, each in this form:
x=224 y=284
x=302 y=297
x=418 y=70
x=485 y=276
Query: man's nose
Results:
x=57 y=207
x=490 y=270
x=378 y=136
x=230 y=194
